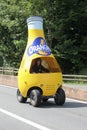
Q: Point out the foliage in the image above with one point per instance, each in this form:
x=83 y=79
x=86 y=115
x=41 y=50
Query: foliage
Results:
x=65 y=26
x=1 y=61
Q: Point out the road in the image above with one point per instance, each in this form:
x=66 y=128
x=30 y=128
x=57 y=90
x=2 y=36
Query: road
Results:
x=49 y=116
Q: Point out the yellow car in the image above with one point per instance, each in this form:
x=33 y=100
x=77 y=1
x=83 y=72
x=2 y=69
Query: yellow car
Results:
x=39 y=75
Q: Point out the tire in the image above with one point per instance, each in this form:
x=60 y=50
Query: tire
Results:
x=20 y=98
x=35 y=97
x=60 y=97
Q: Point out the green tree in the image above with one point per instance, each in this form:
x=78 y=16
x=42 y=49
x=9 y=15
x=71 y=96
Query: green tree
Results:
x=13 y=34
x=65 y=29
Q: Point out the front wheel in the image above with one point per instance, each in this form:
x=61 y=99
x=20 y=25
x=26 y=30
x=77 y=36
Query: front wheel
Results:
x=20 y=97
x=60 y=97
x=35 y=97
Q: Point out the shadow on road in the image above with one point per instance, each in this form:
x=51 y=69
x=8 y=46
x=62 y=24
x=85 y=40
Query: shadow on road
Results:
x=74 y=105
x=68 y=104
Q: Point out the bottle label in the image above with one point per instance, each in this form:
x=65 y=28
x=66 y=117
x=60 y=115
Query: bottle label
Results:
x=39 y=46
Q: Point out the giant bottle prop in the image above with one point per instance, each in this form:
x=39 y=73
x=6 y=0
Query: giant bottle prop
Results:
x=38 y=47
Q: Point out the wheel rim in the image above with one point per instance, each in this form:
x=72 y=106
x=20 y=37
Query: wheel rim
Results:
x=35 y=98
x=32 y=97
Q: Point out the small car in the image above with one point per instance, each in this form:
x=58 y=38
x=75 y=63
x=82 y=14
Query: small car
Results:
x=39 y=84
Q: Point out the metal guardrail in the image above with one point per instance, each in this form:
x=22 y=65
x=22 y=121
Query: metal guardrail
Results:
x=8 y=71
x=78 y=78
x=66 y=77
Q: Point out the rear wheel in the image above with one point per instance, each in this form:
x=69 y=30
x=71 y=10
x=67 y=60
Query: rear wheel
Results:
x=35 y=97
x=60 y=97
x=20 y=97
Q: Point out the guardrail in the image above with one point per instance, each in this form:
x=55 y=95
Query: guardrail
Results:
x=8 y=71
x=66 y=77
x=75 y=78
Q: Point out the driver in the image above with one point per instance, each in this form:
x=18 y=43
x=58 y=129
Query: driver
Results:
x=38 y=68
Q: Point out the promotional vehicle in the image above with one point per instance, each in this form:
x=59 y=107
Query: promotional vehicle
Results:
x=39 y=75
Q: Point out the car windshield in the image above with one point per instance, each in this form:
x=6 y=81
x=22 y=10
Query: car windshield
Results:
x=48 y=64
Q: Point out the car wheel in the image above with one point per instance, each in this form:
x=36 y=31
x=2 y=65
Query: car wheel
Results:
x=35 y=97
x=20 y=97
x=60 y=97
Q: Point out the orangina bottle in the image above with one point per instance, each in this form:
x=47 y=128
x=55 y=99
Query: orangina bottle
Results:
x=45 y=84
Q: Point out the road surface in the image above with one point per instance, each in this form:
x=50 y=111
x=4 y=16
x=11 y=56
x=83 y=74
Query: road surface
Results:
x=22 y=116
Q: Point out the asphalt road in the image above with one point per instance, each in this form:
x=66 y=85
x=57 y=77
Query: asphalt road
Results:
x=22 y=116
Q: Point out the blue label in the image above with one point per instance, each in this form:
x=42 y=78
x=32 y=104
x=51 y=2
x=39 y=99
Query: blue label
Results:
x=39 y=46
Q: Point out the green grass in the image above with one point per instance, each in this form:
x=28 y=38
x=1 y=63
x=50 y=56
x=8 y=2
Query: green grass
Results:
x=75 y=82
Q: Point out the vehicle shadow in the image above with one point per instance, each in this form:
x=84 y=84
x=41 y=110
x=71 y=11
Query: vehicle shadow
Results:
x=68 y=104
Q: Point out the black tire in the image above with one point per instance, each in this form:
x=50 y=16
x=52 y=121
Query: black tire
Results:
x=20 y=98
x=60 y=97
x=35 y=97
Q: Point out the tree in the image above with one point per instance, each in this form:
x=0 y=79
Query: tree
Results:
x=65 y=29
x=13 y=34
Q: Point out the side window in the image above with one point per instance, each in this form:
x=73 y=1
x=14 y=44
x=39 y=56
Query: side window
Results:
x=53 y=65
x=32 y=64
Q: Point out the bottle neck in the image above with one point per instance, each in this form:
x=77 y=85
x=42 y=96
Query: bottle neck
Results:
x=36 y=40
x=35 y=28
x=35 y=23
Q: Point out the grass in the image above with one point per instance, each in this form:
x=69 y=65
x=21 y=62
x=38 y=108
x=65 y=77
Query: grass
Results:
x=75 y=82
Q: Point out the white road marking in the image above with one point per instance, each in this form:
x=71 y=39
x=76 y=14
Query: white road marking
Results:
x=5 y=86
x=36 y=125
x=77 y=100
